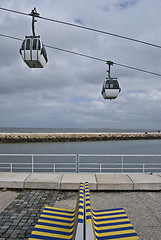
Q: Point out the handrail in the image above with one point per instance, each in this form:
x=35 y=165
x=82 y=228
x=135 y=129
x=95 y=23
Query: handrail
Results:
x=78 y=165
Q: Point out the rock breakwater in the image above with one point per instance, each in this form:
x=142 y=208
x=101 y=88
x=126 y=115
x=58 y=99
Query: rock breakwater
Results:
x=73 y=137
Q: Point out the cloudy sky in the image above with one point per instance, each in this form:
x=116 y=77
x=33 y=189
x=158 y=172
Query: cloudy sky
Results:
x=67 y=92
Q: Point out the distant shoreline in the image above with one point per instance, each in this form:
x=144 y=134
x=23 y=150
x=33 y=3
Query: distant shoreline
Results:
x=74 y=137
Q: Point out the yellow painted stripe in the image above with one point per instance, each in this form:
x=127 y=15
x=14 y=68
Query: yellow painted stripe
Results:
x=108 y=212
x=57 y=217
x=113 y=226
x=114 y=233
x=62 y=209
x=80 y=204
x=55 y=222
x=88 y=214
x=113 y=216
x=127 y=238
x=60 y=213
x=88 y=221
x=34 y=239
x=111 y=221
x=54 y=228
x=45 y=234
x=81 y=210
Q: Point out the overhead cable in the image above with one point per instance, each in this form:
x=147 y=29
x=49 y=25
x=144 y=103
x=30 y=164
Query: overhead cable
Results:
x=86 y=28
x=87 y=56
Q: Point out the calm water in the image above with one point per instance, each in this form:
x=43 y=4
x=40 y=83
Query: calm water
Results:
x=100 y=147
x=71 y=130
x=94 y=147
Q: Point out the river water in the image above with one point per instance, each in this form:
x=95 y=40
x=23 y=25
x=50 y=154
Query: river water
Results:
x=45 y=163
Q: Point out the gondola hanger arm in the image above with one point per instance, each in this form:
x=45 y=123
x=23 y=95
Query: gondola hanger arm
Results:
x=34 y=14
x=110 y=63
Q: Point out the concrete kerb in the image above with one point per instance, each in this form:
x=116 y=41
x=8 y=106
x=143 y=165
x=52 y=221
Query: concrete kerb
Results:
x=71 y=181
x=113 y=182
x=12 y=180
x=43 y=181
x=146 y=181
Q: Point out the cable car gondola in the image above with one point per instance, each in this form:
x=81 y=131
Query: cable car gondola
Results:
x=110 y=88
x=32 y=50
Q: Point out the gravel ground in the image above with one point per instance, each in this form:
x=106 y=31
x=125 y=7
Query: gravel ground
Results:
x=143 y=208
x=6 y=198
x=18 y=219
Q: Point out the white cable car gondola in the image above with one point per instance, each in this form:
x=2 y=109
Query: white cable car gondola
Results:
x=110 y=88
x=32 y=50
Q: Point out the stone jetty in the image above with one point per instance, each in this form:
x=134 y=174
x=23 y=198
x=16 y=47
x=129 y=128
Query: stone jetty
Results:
x=73 y=137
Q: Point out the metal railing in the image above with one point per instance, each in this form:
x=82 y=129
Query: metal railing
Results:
x=120 y=164
x=36 y=166
x=100 y=163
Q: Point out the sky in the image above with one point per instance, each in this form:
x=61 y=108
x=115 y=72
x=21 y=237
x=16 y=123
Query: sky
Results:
x=66 y=93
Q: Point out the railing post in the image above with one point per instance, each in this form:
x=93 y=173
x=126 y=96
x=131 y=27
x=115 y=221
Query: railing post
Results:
x=143 y=168
x=11 y=167
x=122 y=164
x=32 y=166
x=54 y=167
x=100 y=167
x=77 y=163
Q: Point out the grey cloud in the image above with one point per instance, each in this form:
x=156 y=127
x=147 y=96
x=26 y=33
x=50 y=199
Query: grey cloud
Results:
x=66 y=93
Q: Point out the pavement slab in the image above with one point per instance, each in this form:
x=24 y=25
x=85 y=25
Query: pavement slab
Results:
x=146 y=181
x=12 y=180
x=72 y=181
x=113 y=182
x=43 y=181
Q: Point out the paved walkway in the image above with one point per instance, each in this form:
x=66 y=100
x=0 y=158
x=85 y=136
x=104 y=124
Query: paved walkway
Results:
x=18 y=219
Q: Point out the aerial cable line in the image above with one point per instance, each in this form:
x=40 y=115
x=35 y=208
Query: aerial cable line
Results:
x=86 y=28
x=87 y=56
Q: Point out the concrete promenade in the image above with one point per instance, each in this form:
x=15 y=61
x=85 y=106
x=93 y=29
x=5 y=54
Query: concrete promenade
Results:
x=70 y=181
x=21 y=207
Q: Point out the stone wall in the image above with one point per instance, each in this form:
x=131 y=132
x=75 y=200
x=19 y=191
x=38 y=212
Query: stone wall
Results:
x=69 y=137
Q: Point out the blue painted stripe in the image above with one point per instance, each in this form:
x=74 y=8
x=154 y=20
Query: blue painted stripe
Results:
x=57 y=220
x=55 y=225
x=109 y=214
x=117 y=236
x=46 y=238
x=80 y=220
x=88 y=210
x=58 y=215
x=80 y=213
x=109 y=210
x=114 y=230
x=88 y=204
x=58 y=210
x=109 y=219
x=52 y=231
x=112 y=224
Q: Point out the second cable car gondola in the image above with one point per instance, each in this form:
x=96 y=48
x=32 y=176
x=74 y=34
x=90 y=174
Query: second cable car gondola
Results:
x=110 y=88
x=32 y=50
